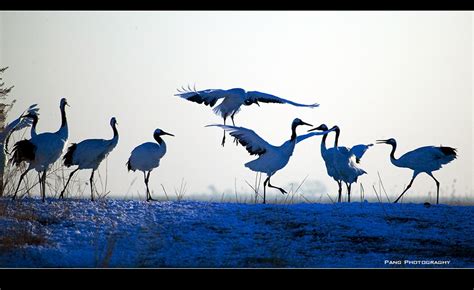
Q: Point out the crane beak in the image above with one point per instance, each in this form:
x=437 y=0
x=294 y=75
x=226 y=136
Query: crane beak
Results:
x=166 y=133
x=304 y=123
x=317 y=128
x=382 y=141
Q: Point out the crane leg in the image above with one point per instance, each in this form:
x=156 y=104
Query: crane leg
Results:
x=146 y=184
x=40 y=184
x=409 y=185
x=349 y=193
x=91 y=181
x=70 y=176
x=236 y=141
x=437 y=187
x=223 y=138
x=339 y=197
x=19 y=182
x=279 y=188
x=43 y=181
x=147 y=178
x=264 y=188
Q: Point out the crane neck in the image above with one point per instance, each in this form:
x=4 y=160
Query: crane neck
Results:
x=114 y=128
x=63 y=131
x=35 y=121
x=336 y=141
x=323 y=143
x=293 y=132
x=33 y=126
x=158 y=139
x=63 y=116
x=392 y=154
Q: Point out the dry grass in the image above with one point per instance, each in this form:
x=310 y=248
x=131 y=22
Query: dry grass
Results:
x=18 y=237
x=22 y=233
x=103 y=255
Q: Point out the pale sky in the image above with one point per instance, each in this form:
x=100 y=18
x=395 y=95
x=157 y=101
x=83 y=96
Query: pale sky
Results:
x=406 y=75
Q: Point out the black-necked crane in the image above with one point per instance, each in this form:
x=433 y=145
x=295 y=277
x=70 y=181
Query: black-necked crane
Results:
x=88 y=154
x=233 y=99
x=147 y=156
x=42 y=150
x=424 y=159
x=271 y=158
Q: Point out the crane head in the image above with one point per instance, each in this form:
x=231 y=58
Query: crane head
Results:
x=113 y=121
x=322 y=127
x=298 y=122
x=160 y=132
x=64 y=103
x=390 y=141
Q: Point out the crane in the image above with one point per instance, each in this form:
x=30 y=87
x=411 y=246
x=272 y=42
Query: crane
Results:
x=270 y=158
x=232 y=101
x=424 y=159
x=41 y=150
x=147 y=156
x=88 y=154
x=339 y=160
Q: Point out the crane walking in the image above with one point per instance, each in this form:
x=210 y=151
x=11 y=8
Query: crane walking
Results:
x=88 y=154
x=147 y=156
x=424 y=159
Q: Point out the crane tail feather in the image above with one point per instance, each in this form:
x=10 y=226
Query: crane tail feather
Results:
x=68 y=157
x=129 y=166
x=449 y=151
x=23 y=150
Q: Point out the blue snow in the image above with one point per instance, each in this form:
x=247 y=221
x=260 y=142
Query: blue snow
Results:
x=177 y=234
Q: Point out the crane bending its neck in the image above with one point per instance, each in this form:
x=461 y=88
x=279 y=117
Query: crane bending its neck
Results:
x=392 y=154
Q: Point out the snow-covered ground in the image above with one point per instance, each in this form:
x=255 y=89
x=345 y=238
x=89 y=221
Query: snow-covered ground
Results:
x=121 y=233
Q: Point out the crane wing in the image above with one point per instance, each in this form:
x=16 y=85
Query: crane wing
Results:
x=19 y=124
x=426 y=155
x=256 y=96
x=359 y=150
x=254 y=144
x=208 y=97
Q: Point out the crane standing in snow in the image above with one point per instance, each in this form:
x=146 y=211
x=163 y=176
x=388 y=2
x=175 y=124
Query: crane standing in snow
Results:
x=339 y=160
x=16 y=125
x=147 y=156
x=424 y=159
x=232 y=101
x=41 y=150
x=271 y=158
x=88 y=154
x=328 y=156
x=344 y=162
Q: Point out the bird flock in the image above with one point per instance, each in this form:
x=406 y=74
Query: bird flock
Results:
x=43 y=149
